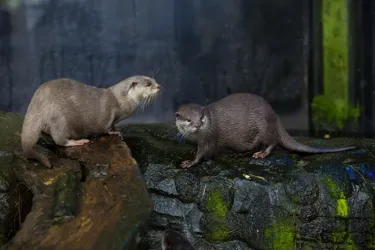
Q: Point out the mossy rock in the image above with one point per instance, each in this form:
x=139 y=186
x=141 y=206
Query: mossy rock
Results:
x=10 y=131
x=288 y=200
x=57 y=206
x=15 y=197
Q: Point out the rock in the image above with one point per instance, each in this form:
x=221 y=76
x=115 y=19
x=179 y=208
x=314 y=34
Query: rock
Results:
x=15 y=197
x=187 y=186
x=160 y=178
x=286 y=201
x=248 y=193
x=215 y=195
x=232 y=245
x=94 y=197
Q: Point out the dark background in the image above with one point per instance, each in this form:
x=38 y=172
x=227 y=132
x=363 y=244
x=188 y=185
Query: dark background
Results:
x=198 y=50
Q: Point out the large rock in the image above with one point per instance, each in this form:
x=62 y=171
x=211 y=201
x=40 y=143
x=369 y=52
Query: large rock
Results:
x=15 y=197
x=286 y=201
x=94 y=197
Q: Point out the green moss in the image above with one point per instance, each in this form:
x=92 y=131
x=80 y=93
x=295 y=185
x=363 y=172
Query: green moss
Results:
x=10 y=131
x=339 y=236
x=351 y=245
x=332 y=111
x=342 y=208
x=335 y=48
x=333 y=188
x=216 y=203
x=217 y=229
x=220 y=234
x=281 y=235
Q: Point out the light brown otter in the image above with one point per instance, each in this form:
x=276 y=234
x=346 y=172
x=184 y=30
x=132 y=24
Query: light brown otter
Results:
x=173 y=240
x=241 y=122
x=70 y=111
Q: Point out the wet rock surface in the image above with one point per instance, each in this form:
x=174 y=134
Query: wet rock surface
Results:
x=94 y=197
x=15 y=197
x=286 y=201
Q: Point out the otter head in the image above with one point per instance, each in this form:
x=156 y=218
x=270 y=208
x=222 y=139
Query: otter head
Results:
x=191 y=119
x=173 y=240
x=139 y=88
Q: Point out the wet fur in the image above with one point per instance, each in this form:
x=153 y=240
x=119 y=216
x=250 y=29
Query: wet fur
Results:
x=240 y=122
x=173 y=240
x=68 y=110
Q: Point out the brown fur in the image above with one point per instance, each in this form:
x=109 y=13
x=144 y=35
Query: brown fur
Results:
x=241 y=122
x=173 y=240
x=70 y=111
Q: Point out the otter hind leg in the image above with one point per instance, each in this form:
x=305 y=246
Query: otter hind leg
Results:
x=264 y=153
x=60 y=137
x=244 y=148
x=72 y=143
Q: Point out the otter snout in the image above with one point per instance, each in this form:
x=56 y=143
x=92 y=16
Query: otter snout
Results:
x=196 y=127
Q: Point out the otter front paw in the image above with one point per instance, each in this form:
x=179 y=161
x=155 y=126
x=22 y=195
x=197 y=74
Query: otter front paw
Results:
x=186 y=164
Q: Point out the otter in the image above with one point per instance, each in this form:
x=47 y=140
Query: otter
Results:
x=241 y=122
x=70 y=111
x=173 y=240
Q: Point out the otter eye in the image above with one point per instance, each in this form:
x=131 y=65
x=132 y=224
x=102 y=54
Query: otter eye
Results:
x=148 y=84
x=189 y=120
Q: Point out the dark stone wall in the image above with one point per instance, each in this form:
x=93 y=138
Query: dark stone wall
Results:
x=5 y=57
x=199 y=50
x=371 y=96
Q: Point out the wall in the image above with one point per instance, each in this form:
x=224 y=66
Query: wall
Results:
x=199 y=50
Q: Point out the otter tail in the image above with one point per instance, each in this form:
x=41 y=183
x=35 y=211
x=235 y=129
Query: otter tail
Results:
x=31 y=131
x=288 y=142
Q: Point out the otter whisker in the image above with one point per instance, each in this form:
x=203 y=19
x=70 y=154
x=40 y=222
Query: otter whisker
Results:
x=147 y=101
x=181 y=136
x=178 y=135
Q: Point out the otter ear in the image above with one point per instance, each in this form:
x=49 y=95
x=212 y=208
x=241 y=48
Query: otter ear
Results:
x=133 y=84
x=177 y=114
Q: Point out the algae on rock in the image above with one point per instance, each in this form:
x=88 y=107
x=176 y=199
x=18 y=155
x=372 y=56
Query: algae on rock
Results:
x=286 y=201
x=15 y=197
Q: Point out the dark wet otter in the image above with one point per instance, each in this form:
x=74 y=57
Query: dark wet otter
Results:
x=241 y=122
x=173 y=240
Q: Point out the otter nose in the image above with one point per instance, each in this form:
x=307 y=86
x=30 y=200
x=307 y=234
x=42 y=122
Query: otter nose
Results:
x=196 y=126
x=158 y=86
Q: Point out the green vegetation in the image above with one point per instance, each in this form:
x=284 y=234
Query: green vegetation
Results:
x=332 y=111
x=217 y=204
x=333 y=114
x=219 y=228
x=10 y=131
x=281 y=235
x=335 y=47
x=220 y=234
x=342 y=207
